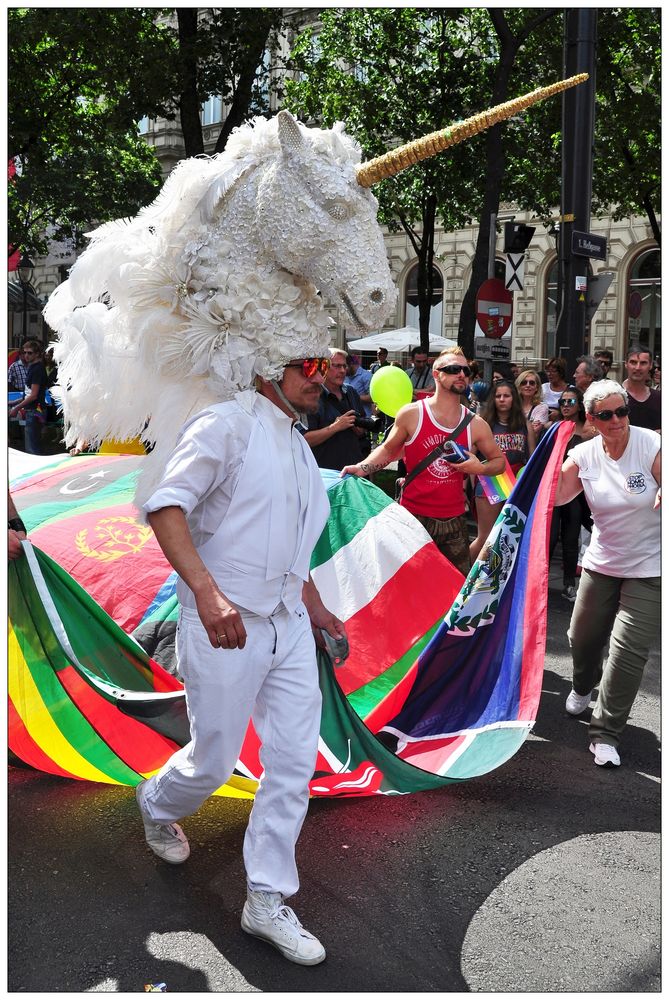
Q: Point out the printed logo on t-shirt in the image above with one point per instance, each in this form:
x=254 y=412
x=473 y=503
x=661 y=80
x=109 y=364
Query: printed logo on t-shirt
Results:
x=636 y=483
x=442 y=469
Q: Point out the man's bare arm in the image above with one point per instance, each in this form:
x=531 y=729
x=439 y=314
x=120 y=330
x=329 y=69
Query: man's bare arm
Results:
x=218 y=615
x=387 y=452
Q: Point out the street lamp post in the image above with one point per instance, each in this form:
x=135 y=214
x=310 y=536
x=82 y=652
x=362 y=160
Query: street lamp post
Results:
x=25 y=270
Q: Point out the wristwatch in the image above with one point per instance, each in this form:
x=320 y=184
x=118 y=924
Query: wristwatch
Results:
x=16 y=524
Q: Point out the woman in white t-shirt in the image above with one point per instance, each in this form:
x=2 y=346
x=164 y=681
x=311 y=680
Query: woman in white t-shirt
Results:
x=618 y=598
x=556 y=370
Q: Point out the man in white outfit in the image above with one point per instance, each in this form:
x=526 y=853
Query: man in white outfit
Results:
x=237 y=512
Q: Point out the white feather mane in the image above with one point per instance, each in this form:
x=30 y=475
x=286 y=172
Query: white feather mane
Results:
x=168 y=312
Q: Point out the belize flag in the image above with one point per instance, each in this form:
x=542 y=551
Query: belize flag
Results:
x=475 y=687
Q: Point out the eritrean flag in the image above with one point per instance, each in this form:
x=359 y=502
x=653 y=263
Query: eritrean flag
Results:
x=87 y=701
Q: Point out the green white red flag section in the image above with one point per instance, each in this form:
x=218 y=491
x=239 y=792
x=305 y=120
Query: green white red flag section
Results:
x=87 y=701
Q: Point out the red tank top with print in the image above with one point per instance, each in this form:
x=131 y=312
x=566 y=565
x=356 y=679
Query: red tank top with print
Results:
x=437 y=491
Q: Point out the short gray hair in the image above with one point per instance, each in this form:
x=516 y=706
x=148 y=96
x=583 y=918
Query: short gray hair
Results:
x=591 y=365
x=598 y=391
x=334 y=351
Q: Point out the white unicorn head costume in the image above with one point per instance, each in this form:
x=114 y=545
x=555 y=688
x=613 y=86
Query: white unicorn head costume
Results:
x=220 y=279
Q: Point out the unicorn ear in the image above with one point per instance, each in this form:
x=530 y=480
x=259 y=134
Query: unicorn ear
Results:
x=290 y=134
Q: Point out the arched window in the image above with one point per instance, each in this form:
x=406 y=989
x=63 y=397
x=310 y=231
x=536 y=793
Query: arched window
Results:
x=411 y=301
x=644 y=302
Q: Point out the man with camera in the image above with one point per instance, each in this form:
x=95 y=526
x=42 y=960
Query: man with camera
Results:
x=339 y=431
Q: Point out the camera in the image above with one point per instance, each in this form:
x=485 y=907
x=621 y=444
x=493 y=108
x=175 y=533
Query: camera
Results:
x=454 y=453
x=372 y=424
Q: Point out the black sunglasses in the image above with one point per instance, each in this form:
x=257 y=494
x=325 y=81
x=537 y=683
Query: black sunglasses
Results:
x=567 y=402
x=621 y=412
x=456 y=369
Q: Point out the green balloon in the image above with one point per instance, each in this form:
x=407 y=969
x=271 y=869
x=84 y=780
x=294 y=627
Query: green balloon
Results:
x=390 y=389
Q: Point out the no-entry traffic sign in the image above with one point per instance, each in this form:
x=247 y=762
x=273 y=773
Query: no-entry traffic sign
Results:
x=494 y=308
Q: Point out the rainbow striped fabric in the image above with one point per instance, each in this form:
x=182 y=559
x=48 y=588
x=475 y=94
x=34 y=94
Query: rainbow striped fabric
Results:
x=498 y=488
x=88 y=702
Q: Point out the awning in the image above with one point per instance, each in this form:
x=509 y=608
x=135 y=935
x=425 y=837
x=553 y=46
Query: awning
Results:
x=15 y=298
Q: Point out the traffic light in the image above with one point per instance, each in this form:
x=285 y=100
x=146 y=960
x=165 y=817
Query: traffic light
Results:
x=517 y=237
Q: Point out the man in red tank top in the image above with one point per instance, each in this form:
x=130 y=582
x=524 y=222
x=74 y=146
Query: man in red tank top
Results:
x=436 y=495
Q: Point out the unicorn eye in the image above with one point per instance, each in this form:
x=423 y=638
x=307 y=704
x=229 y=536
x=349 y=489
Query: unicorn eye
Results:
x=338 y=209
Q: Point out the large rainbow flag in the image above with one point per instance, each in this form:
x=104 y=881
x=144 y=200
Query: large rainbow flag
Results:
x=442 y=683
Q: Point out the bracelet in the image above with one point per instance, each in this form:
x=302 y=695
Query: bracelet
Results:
x=16 y=524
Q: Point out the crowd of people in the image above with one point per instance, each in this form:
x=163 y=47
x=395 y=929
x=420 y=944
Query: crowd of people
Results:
x=610 y=481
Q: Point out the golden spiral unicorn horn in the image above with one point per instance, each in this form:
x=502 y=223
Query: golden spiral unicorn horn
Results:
x=395 y=160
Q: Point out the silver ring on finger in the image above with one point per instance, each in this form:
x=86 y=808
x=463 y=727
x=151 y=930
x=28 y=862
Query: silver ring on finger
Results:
x=221 y=638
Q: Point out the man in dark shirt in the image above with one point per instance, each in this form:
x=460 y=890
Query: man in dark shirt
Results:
x=645 y=403
x=332 y=434
x=33 y=405
x=381 y=360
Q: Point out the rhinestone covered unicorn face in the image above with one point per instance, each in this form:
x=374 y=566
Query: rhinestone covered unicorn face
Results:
x=317 y=221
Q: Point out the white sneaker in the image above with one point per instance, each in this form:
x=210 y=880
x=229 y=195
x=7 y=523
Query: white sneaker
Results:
x=605 y=754
x=577 y=703
x=266 y=916
x=166 y=840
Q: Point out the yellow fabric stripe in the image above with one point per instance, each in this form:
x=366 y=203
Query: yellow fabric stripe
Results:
x=37 y=719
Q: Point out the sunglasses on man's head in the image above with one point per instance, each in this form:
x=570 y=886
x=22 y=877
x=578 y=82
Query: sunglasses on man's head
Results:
x=456 y=369
x=568 y=402
x=621 y=412
x=312 y=366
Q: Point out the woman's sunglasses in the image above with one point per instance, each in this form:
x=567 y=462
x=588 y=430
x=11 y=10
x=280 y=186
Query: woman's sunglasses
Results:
x=568 y=402
x=621 y=412
x=312 y=366
x=530 y=381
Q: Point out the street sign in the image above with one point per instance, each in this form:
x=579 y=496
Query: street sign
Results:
x=588 y=245
x=515 y=271
x=492 y=348
x=494 y=308
x=597 y=289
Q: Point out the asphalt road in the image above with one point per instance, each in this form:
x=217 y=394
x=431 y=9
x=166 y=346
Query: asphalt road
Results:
x=543 y=876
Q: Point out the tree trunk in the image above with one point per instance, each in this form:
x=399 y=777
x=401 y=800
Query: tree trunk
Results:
x=189 y=101
x=244 y=90
x=495 y=163
x=425 y=270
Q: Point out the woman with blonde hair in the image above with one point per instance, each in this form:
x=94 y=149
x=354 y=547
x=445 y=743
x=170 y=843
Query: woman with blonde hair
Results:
x=534 y=408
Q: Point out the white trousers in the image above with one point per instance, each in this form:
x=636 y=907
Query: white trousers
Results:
x=274 y=680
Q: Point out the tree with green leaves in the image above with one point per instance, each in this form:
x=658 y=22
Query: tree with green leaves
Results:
x=394 y=74
x=223 y=51
x=82 y=78
x=79 y=80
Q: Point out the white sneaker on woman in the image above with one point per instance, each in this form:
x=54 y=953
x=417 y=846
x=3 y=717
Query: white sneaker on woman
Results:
x=605 y=754
x=577 y=703
x=266 y=916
